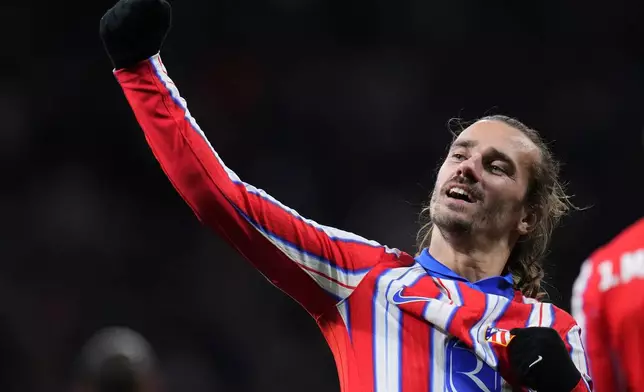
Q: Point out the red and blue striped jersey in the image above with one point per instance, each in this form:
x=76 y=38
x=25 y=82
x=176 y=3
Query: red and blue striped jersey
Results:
x=607 y=301
x=392 y=321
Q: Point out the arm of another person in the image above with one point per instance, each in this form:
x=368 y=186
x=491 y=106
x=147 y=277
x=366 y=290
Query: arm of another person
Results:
x=587 y=311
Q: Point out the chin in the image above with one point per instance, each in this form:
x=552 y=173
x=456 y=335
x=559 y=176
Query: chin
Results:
x=452 y=221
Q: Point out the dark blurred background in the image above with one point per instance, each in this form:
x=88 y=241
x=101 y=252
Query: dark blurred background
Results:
x=337 y=108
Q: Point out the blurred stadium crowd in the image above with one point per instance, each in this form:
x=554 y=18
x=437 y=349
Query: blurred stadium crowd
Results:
x=337 y=108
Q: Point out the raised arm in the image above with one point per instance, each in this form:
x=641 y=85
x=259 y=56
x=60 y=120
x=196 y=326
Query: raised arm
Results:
x=301 y=257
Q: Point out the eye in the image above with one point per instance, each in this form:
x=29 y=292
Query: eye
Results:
x=459 y=157
x=496 y=169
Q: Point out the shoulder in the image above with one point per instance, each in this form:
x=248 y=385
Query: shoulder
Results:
x=615 y=263
x=547 y=314
x=628 y=240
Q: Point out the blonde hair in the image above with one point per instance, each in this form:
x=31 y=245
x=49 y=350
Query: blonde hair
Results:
x=546 y=197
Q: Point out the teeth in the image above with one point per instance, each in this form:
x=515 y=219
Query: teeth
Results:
x=459 y=191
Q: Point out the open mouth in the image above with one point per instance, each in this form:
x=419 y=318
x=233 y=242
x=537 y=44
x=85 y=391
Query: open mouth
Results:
x=460 y=194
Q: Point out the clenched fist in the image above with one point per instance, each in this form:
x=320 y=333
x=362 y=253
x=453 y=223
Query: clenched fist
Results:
x=134 y=30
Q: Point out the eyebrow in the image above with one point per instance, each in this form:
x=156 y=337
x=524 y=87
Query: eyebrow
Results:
x=465 y=143
x=496 y=154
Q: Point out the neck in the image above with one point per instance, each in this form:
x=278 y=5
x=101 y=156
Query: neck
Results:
x=473 y=260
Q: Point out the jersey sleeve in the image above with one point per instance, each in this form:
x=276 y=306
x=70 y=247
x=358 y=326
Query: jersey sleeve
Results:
x=577 y=352
x=587 y=311
x=315 y=264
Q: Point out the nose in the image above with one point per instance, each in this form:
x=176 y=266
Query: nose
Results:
x=471 y=168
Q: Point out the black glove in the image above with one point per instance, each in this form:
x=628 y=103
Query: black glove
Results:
x=134 y=30
x=541 y=361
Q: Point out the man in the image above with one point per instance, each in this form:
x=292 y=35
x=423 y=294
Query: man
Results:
x=608 y=302
x=117 y=359
x=449 y=319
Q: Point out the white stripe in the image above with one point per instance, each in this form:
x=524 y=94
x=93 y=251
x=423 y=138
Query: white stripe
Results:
x=505 y=386
x=452 y=290
x=162 y=73
x=384 y=319
x=480 y=345
x=541 y=315
x=495 y=306
x=438 y=365
x=578 y=291
x=343 y=310
x=330 y=231
x=527 y=300
x=324 y=270
x=439 y=313
x=547 y=319
x=295 y=255
x=387 y=317
x=577 y=351
x=533 y=319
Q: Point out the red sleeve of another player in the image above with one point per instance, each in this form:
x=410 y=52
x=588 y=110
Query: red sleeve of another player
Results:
x=298 y=255
x=587 y=311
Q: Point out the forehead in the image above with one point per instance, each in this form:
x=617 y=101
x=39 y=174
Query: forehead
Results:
x=496 y=135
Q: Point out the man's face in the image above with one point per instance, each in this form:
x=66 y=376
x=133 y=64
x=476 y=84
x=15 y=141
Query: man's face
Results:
x=482 y=183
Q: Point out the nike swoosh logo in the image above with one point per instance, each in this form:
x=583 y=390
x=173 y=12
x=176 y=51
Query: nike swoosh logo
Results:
x=400 y=299
x=535 y=362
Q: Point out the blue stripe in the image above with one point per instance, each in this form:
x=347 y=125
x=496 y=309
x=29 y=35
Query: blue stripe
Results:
x=460 y=295
x=450 y=319
x=347 y=311
x=196 y=127
x=307 y=222
x=297 y=248
x=505 y=308
x=374 y=306
x=461 y=300
x=432 y=364
x=399 y=328
x=334 y=296
x=475 y=341
x=432 y=331
x=527 y=322
x=586 y=370
x=400 y=354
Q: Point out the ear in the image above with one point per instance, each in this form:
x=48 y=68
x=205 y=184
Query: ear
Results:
x=527 y=222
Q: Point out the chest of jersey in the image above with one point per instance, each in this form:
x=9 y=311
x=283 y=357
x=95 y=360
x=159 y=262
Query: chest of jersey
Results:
x=389 y=320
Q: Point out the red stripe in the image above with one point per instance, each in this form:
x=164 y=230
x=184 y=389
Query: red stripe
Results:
x=275 y=220
x=580 y=387
x=202 y=182
x=440 y=282
x=415 y=350
x=362 y=330
x=464 y=318
x=516 y=315
x=424 y=287
x=335 y=333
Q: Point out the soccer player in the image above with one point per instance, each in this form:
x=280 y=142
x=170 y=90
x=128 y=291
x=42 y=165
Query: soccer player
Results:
x=608 y=301
x=460 y=316
x=117 y=359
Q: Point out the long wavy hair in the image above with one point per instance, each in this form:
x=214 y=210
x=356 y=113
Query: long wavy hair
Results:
x=546 y=197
